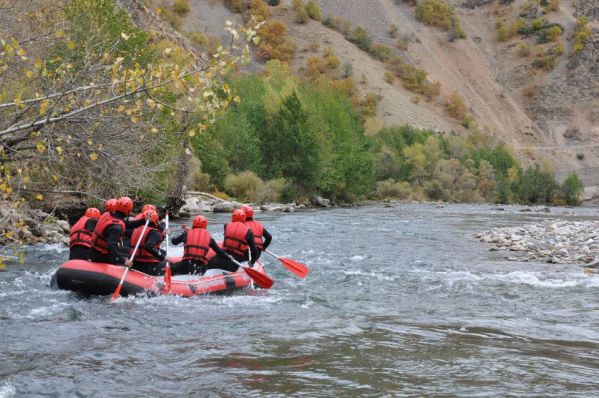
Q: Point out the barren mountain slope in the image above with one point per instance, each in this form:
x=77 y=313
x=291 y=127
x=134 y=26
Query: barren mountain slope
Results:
x=558 y=122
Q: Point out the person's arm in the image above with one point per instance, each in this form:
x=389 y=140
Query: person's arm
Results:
x=219 y=252
x=151 y=245
x=267 y=238
x=113 y=236
x=175 y=240
x=90 y=225
x=249 y=237
x=135 y=223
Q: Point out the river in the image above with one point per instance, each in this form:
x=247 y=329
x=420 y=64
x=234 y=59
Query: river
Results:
x=400 y=301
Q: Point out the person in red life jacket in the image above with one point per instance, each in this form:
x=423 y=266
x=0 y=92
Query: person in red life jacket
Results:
x=239 y=240
x=141 y=215
x=108 y=232
x=198 y=243
x=110 y=205
x=81 y=235
x=262 y=237
x=149 y=259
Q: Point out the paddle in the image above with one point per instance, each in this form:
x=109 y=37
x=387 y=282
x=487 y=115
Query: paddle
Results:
x=259 y=278
x=118 y=288
x=167 y=271
x=298 y=269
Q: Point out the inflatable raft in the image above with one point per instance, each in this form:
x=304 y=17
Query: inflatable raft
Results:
x=102 y=279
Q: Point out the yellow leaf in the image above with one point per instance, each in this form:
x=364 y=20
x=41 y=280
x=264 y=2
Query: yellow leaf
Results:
x=39 y=196
x=71 y=44
x=59 y=150
x=256 y=40
x=55 y=178
x=124 y=36
x=154 y=130
x=38 y=64
x=192 y=133
x=59 y=33
x=3 y=187
x=90 y=142
x=237 y=99
x=44 y=106
x=41 y=148
x=93 y=156
x=29 y=74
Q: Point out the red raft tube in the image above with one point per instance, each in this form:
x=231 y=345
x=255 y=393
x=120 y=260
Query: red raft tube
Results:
x=100 y=279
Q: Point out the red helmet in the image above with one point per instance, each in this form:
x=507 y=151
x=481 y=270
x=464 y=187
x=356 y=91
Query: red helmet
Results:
x=149 y=207
x=92 y=212
x=153 y=216
x=110 y=205
x=200 y=222
x=238 y=215
x=124 y=205
x=249 y=212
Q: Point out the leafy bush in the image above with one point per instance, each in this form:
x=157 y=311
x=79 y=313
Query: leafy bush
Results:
x=360 y=38
x=380 y=52
x=435 y=13
x=415 y=79
x=582 y=34
x=259 y=10
x=235 y=5
x=393 y=189
x=339 y=24
x=275 y=44
x=455 y=106
x=181 y=7
x=537 y=186
x=301 y=16
x=313 y=10
x=270 y=191
x=571 y=190
x=243 y=185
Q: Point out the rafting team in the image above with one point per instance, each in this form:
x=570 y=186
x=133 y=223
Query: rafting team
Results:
x=104 y=238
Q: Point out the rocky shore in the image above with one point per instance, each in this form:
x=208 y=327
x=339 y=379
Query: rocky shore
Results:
x=23 y=225
x=556 y=241
x=208 y=204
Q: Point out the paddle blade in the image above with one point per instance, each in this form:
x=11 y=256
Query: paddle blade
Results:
x=259 y=278
x=298 y=269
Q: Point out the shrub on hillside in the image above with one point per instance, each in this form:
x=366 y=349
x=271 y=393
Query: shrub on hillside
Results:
x=582 y=34
x=275 y=44
x=235 y=5
x=301 y=16
x=360 y=38
x=339 y=24
x=455 y=106
x=259 y=10
x=435 y=13
x=313 y=10
x=380 y=52
x=393 y=31
x=181 y=7
x=415 y=79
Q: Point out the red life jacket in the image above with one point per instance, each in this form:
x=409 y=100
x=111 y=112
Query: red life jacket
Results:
x=258 y=231
x=234 y=240
x=98 y=238
x=144 y=256
x=79 y=235
x=197 y=245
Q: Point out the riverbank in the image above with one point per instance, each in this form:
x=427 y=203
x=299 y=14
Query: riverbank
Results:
x=553 y=241
x=25 y=225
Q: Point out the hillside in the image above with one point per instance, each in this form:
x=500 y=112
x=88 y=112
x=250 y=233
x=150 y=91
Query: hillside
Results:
x=547 y=115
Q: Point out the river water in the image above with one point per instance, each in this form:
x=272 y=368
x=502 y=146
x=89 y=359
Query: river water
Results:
x=400 y=301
